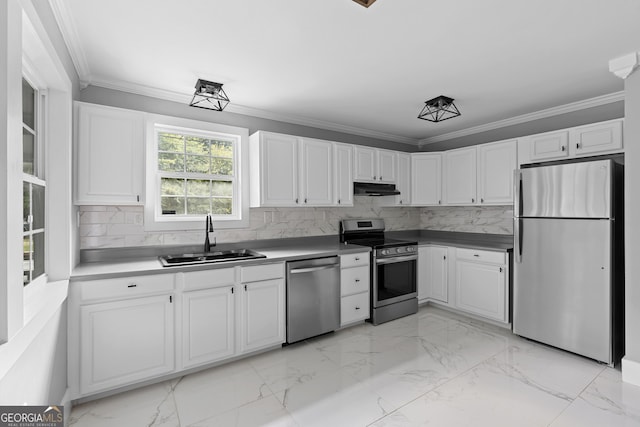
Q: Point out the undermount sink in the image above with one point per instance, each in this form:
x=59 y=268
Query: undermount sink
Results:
x=209 y=257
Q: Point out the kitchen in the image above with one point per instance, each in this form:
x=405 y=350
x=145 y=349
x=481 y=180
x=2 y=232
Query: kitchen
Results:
x=126 y=225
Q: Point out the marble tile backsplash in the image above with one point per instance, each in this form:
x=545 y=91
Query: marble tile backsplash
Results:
x=470 y=219
x=123 y=226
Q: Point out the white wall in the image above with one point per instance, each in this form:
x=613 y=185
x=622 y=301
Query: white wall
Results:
x=631 y=361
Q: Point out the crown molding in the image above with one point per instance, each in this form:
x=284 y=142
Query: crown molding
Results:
x=624 y=65
x=524 y=118
x=250 y=111
x=72 y=40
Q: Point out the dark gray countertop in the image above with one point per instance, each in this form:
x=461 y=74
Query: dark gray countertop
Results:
x=121 y=262
x=493 y=242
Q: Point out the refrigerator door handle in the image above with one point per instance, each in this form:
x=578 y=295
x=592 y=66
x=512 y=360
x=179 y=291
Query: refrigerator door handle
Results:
x=517 y=234
x=517 y=193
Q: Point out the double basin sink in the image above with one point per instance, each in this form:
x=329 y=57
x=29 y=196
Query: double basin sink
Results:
x=209 y=257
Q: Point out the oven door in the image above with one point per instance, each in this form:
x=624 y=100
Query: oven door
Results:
x=394 y=279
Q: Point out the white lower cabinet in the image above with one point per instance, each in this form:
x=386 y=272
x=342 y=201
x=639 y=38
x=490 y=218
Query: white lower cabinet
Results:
x=481 y=283
x=123 y=342
x=261 y=317
x=208 y=325
x=354 y=288
x=469 y=280
x=122 y=331
x=433 y=273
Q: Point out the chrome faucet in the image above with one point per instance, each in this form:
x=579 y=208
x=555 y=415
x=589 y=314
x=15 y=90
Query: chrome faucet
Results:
x=208 y=228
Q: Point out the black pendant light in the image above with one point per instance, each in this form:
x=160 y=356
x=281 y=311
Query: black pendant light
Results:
x=209 y=95
x=365 y=3
x=439 y=109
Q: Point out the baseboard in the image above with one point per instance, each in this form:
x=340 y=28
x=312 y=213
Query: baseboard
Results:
x=630 y=371
x=66 y=403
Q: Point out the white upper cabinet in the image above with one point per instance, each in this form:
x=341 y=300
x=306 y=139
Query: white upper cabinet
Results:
x=274 y=169
x=374 y=165
x=109 y=155
x=343 y=167
x=316 y=173
x=587 y=140
x=426 y=179
x=496 y=163
x=403 y=179
x=460 y=176
x=548 y=146
x=597 y=138
x=290 y=171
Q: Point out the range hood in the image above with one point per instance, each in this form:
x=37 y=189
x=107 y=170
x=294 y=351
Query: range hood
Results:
x=371 y=189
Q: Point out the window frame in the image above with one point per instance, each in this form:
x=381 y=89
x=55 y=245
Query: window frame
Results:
x=40 y=132
x=153 y=218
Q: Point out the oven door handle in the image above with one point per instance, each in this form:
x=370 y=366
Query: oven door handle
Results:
x=394 y=260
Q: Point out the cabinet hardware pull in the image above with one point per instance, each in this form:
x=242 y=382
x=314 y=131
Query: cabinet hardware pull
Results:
x=131 y=285
x=305 y=200
x=473 y=200
x=500 y=269
x=578 y=146
x=357 y=258
x=245 y=287
x=439 y=202
x=481 y=200
x=375 y=177
x=357 y=308
x=357 y=280
x=400 y=201
x=170 y=298
x=476 y=255
x=380 y=178
x=232 y=290
x=445 y=257
x=562 y=148
x=138 y=197
x=338 y=201
x=296 y=200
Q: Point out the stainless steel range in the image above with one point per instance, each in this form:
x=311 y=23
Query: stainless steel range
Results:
x=393 y=268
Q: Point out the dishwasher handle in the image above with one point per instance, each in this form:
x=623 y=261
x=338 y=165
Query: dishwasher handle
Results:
x=312 y=269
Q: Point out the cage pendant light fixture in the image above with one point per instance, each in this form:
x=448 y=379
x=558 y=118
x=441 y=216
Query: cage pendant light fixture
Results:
x=365 y=3
x=209 y=95
x=439 y=109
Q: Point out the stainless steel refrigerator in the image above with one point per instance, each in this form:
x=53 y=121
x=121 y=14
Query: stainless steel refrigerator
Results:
x=568 y=281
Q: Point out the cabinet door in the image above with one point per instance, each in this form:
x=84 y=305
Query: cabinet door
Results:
x=125 y=341
x=343 y=177
x=387 y=166
x=496 y=163
x=597 y=138
x=426 y=179
x=365 y=164
x=480 y=289
x=316 y=174
x=110 y=156
x=403 y=179
x=208 y=318
x=262 y=315
x=279 y=171
x=548 y=146
x=460 y=176
x=437 y=285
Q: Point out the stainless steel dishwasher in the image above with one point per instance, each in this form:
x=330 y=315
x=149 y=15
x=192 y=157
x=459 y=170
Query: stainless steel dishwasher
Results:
x=313 y=297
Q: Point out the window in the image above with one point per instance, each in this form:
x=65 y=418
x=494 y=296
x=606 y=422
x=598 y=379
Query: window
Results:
x=33 y=184
x=196 y=170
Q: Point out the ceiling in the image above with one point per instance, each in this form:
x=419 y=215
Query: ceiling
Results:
x=337 y=65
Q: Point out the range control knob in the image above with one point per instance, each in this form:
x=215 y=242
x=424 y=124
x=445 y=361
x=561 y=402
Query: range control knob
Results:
x=411 y=249
x=385 y=252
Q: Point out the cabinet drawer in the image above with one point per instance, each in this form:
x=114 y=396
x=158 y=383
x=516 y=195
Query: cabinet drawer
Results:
x=126 y=287
x=482 y=256
x=262 y=272
x=354 y=260
x=354 y=308
x=354 y=280
x=209 y=278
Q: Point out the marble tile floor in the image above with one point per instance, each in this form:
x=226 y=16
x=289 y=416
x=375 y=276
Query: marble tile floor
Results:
x=433 y=368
